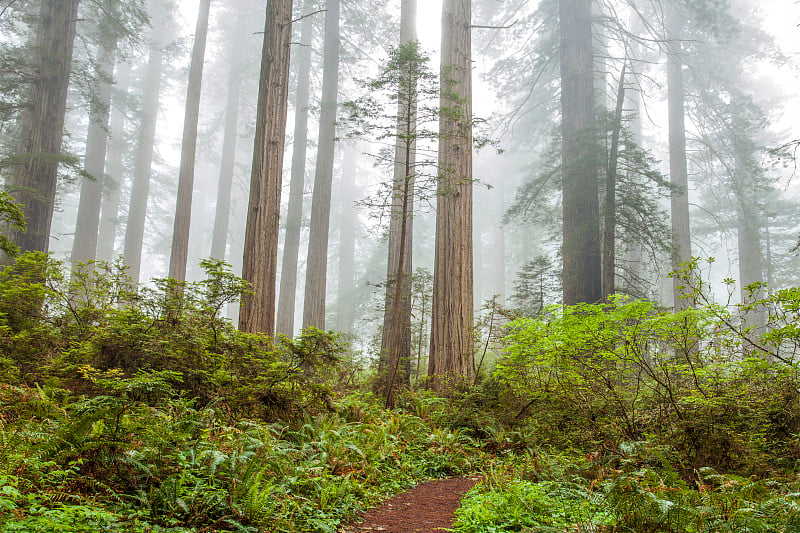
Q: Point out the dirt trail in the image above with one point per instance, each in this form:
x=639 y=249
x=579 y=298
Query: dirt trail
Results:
x=429 y=507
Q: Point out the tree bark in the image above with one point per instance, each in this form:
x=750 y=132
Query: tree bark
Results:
x=294 y=212
x=140 y=189
x=452 y=345
x=581 y=241
x=610 y=222
x=499 y=244
x=317 y=265
x=260 y=260
x=112 y=184
x=183 y=207
x=751 y=264
x=679 y=175
x=33 y=181
x=347 y=241
x=84 y=246
x=222 y=213
x=396 y=345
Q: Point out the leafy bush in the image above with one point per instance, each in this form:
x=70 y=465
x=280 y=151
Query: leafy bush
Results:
x=627 y=371
x=98 y=322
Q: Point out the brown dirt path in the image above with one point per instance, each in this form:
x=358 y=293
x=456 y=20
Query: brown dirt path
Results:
x=427 y=508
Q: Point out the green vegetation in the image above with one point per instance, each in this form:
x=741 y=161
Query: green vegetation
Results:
x=142 y=409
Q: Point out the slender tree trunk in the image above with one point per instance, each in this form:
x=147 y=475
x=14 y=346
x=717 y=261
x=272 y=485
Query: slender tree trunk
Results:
x=112 y=184
x=260 y=261
x=317 y=265
x=294 y=212
x=222 y=213
x=635 y=279
x=84 y=246
x=610 y=224
x=394 y=343
x=679 y=175
x=33 y=182
x=499 y=244
x=452 y=344
x=751 y=265
x=347 y=241
x=183 y=206
x=769 y=267
x=140 y=189
x=581 y=246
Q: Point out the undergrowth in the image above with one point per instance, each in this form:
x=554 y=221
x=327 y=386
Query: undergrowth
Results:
x=142 y=409
x=110 y=463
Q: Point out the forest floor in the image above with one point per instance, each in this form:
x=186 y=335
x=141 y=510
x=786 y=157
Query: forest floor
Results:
x=429 y=507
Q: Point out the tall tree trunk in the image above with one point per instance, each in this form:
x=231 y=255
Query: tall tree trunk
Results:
x=84 y=246
x=260 y=260
x=140 y=188
x=499 y=244
x=635 y=281
x=396 y=345
x=294 y=212
x=679 y=175
x=222 y=213
x=317 y=265
x=610 y=222
x=33 y=182
x=347 y=242
x=751 y=265
x=452 y=345
x=581 y=246
x=112 y=184
x=183 y=206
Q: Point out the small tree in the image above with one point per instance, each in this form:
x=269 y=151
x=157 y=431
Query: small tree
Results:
x=537 y=285
x=407 y=82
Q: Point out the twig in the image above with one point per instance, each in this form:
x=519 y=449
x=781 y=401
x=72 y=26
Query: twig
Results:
x=309 y=15
x=11 y=3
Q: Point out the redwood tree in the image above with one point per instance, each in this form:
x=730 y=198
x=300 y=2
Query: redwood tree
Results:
x=294 y=212
x=678 y=172
x=183 y=207
x=222 y=213
x=145 y=147
x=451 y=353
x=257 y=313
x=33 y=180
x=84 y=246
x=581 y=226
x=317 y=262
x=396 y=334
x=115 y=168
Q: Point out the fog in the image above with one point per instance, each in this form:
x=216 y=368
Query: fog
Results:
x=739 y=65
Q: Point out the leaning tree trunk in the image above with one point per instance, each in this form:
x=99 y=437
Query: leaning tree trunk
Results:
x=84 y=246
x=183 y=207
x=222 y=213
x=260 y=260
x=679 y=175
x=115 y=168
x=396 y=334
x=140 y=189
x=581 y=241
x=294 y=212
x=451 y=353
x=33 y=181
x=317 y=265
